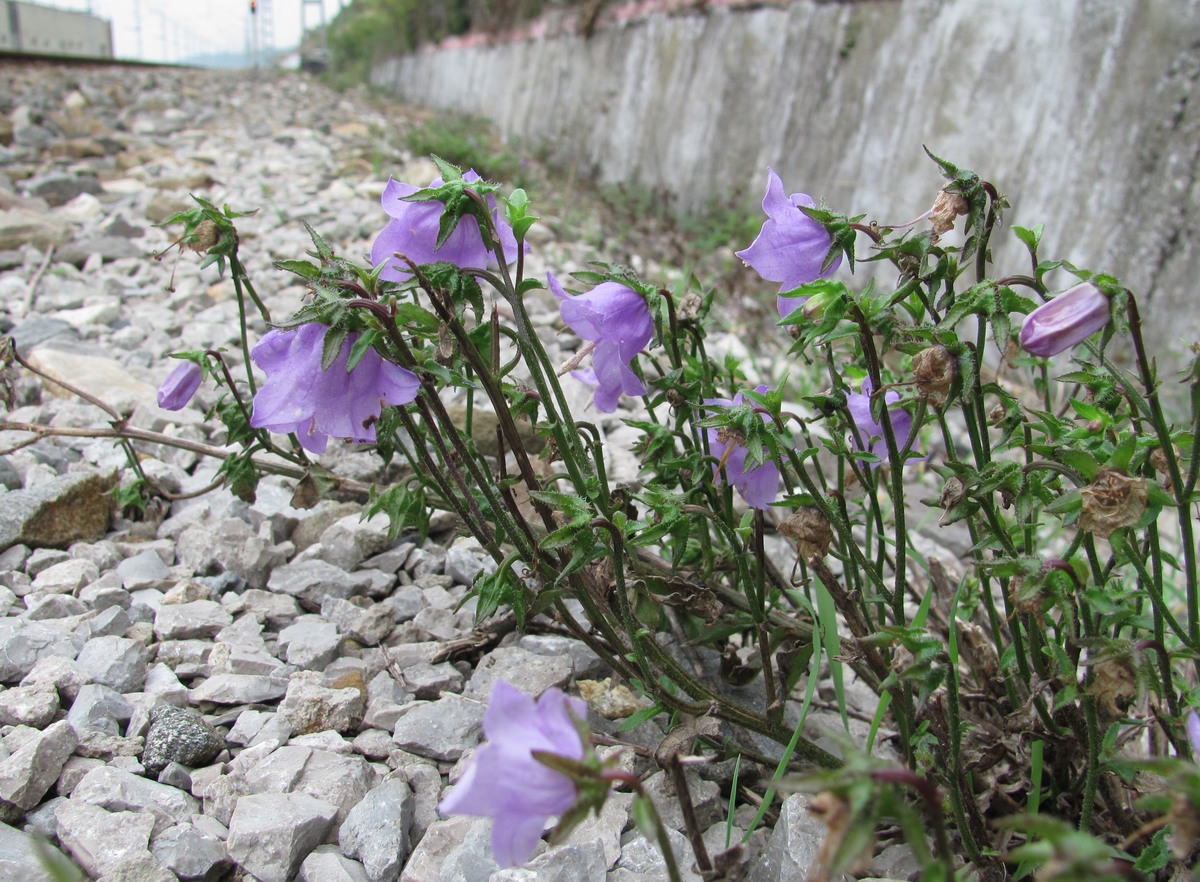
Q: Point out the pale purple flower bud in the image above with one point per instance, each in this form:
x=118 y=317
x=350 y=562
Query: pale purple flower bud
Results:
x=757 y=485
x=1068 y=319
x=506 y=783
x=791 y=247
x=1193 y=732
x=179 y=386
x=413 y=232
x=617 y=319
x=870 y=430
x=298 y=396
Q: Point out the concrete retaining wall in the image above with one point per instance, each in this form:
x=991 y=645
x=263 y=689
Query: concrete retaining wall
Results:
x=1086 y=113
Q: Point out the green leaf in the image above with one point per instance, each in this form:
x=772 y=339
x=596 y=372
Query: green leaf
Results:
x=302 y=268
x=365 y=341
x=417 y=318
x=334 y=338
x=1031 y=237
x=449 y=171
x=324 y=252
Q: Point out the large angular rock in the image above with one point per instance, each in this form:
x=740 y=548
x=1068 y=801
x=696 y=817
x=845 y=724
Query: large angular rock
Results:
x=19 y=228
x=239 y=689
x=451 y=846
x=230 y=547
x=324 y=864
x=186 y=621
x=793 y=845
x=101 y=377
x=99 y=708
x=270 y=834
x=191 y=854
x=28 y=706
x=27 y=775
x=376 y=831
x=117 y=662
x=101 y=840
x=24 y=644
x=350 y=540
x=443 y=730
x=535 y=673
x=23 y=857
x=339 y=779
x=311 y=581
x=310 y=706
x=120 y=791
x=69 y=508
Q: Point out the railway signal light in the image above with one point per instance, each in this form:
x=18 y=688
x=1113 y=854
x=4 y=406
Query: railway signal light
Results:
x=253 y=7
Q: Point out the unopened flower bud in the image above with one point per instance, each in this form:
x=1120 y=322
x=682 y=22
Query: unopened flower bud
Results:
x=934 y=372
x=810 y=530
x=206 y=236
x=1068 y=319
x=815 y=306
x=946 y=208
x=179 y=386
x=1112 y=501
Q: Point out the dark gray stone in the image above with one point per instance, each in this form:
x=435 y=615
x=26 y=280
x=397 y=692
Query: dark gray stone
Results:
x=179 y=735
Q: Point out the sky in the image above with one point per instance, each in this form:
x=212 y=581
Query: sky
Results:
x=173 y=30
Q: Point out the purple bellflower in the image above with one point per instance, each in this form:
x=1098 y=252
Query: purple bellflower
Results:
x=1068 y=319
x=617 y=320
x=413 y=232
x=506 y=783
x=1193 y=733
x=179 y=386
x=869 y=430
x=791 y=247
x=758 y=485
x=300 y=397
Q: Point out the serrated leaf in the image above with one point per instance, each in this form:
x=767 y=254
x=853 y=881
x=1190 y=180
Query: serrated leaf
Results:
x=1031 y=237
x=417 y=318
x=334 y=338
x=323 y=250
x=302 y=268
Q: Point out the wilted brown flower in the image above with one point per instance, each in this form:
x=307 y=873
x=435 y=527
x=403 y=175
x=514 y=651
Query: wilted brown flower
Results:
x=1184 y=819
x=1112 y=501
x=207 y=235
x=954 y=491
x=810 y=530
x=833 y=811
x=689 y=307
x=1158 y=459
x=1114 y=685
x=946 y=208
x=934 y=371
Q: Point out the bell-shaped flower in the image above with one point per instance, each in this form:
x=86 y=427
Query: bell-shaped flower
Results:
x=413 y=232
x=179 y=386
x=868 y=434
x=504 y=780
x=1068 y=319
x=791 y=248
x=757 y=485
x=298 y=396
x=1193 y=733
x=617 y=321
